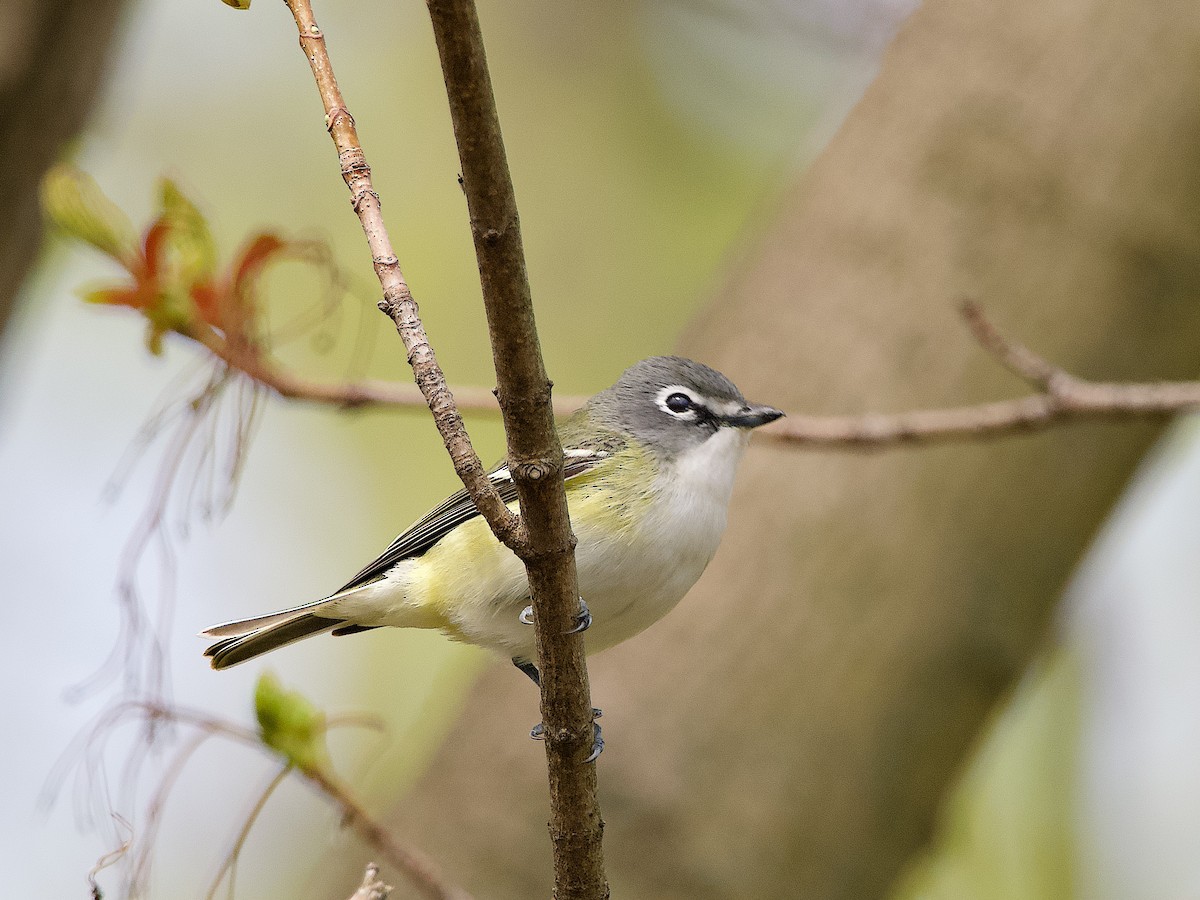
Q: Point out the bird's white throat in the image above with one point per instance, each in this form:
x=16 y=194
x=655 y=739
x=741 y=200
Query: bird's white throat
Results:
x=708 y=469
x=693 y=493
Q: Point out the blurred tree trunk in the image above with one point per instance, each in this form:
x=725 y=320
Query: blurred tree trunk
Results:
x=52 y=54
x=790 y=729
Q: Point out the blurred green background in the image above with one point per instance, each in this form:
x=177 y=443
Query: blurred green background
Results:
x=650 y=143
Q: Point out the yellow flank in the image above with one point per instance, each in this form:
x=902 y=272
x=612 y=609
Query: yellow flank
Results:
x=469 y=574
x=454 y=569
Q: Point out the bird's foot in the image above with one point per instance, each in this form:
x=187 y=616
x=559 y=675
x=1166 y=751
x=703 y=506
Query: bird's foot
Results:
x=597 y=744
x=583 y=621
x=538 y=733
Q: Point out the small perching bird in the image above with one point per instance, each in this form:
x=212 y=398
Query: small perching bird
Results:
x=649 y=465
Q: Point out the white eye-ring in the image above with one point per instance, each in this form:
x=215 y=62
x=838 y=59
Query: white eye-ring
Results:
x=677 y=401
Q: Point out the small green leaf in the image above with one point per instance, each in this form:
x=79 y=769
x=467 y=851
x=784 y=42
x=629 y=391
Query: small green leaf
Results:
x=237 y=4
x=290 y=725
x=74 y=203
x=191 y=243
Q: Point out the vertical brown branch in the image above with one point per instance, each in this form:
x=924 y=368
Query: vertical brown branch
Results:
x=534 y=451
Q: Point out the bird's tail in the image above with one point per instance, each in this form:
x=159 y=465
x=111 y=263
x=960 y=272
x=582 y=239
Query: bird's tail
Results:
x=248 y=638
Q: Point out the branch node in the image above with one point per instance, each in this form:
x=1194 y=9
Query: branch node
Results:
x=535 y=470
x=1015 y=357
x=358 y=201
x=1062 y=387
x=338 y=112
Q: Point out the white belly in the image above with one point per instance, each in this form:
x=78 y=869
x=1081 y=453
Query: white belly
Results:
x=630 y=582
x=630 y=588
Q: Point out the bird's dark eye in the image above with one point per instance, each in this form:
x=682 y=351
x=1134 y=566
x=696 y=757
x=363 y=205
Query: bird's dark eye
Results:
x=678 y=403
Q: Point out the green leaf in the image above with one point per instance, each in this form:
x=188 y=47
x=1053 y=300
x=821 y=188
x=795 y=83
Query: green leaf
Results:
x=191 y=242
x=237 y=4
x=74 y=203
x=290 y=725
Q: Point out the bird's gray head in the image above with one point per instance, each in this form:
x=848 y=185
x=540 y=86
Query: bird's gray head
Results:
x=673 y=404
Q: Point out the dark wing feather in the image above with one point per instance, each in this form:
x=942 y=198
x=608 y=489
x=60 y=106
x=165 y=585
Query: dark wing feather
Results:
x=458 y=508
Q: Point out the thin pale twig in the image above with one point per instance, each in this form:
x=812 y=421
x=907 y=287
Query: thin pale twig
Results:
x=398 y=301
x=1015 y=357
x=1061 y=398
x=231 y=859
x=420 y=870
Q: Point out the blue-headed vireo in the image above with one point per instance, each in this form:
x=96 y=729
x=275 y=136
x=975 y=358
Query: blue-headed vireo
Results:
x=649 y=466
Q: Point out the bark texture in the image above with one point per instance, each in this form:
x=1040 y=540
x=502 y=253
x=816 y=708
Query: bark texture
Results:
x=398 y=303
x=534 y=457
x=52 y=57
x=790 y=730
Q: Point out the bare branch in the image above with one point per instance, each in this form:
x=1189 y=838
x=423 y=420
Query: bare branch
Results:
x=418 y=868
x=229 y=866
x=534 y=453
x=397 y=300
x=1018 y=359
x=415 y=866
x=260 y=368
x=1061 y=398
x=542 y=535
